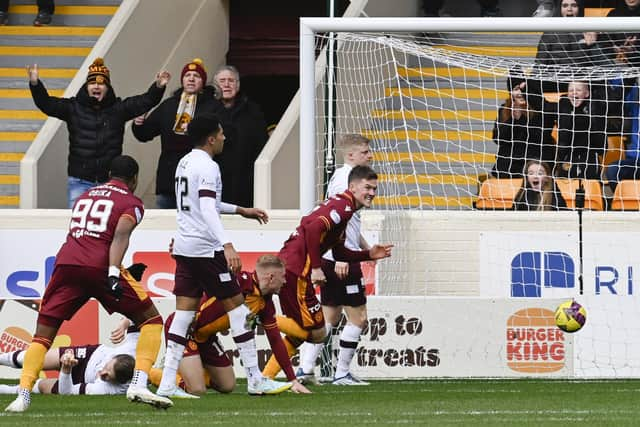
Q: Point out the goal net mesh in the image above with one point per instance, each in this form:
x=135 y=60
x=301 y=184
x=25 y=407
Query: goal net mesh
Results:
x=482 y=123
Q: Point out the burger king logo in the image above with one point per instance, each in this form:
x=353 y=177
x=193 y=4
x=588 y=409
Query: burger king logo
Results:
x=14 y=338
x=534 y=344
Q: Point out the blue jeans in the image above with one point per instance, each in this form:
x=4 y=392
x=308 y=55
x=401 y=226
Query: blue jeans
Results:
x=624 y=169
x=77 y=186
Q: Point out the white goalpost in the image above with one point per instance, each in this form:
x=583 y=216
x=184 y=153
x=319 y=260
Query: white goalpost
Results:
x=437 y=98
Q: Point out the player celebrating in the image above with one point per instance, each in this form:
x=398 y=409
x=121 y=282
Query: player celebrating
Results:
x=206 y=259
x=89 y=265
x=344 y=287
x=321 y=230
x=90 y=369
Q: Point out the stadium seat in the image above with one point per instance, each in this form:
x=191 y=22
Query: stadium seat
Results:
x=592 y=193
x=597 y=11
x=627 y=196
x=614 y=153
x=498 y=194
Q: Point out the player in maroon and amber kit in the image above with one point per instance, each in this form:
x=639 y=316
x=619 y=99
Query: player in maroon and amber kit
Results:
x=322 y=230
x=89 y=265
x=258 y=287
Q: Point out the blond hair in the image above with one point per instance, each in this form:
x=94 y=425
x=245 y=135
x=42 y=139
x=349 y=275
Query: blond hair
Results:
x=268 y=260
x=350 y=141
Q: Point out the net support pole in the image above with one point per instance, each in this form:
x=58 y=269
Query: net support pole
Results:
x=307 y=119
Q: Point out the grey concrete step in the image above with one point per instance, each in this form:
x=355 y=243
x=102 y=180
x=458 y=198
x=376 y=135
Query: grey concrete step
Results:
x=20 y=125
x=44 y=61
x=22 y=83
x=14 y=146
x=68 y=41
x=9 y=189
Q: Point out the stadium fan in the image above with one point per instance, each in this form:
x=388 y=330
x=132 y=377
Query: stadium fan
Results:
x=539 y=192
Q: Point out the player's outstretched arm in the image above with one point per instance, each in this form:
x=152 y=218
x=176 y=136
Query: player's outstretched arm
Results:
x=253 y=213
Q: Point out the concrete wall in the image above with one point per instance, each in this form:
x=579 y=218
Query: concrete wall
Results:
x=144 y=37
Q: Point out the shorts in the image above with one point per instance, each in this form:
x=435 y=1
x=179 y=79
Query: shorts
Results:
x=299 y=302
x=337 y=292
x=209 y=275
x=72 y=285
x=211 y=351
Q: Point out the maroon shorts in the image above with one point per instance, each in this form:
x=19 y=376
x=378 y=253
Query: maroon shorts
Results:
x=82 y=354
x=211 y=275
x=299 y=302
x=72 y=285
x=349 y=291
x=211 y=351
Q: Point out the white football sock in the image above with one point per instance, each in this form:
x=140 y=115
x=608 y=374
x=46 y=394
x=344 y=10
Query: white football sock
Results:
x=10 y=358
x=309 y=353
x=348 y=343
x=175 y=347
x=10 y=389
x=245 y=341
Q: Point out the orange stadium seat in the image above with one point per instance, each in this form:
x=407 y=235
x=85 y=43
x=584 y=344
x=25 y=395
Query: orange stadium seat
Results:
x=592 y=193
x=498 y=194
x=597 y=11
x=627 y=196
x=614 y=153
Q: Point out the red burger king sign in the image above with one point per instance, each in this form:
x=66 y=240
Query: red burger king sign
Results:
x=534 y=344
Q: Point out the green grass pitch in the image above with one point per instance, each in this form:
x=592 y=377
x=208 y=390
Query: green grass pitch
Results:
x=436 y=402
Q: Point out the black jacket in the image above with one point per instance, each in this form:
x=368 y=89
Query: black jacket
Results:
x=173 y=146
x=521 y=140
x=95 y=128
x=528 y=200
x=246 y=134
x=581 y=137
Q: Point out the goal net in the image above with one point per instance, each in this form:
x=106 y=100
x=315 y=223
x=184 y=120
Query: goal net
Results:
x=506 y=165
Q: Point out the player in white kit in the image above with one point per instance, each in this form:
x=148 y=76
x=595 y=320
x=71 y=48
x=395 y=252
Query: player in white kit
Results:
x=206 y=260
x=94 y=369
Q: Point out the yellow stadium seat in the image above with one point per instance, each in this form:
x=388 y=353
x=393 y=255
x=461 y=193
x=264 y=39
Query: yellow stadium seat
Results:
x=627 y=196
x=592 y=193
x=498 y=194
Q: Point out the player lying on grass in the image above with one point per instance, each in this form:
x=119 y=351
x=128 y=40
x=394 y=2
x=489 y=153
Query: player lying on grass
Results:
x=204 y=353
x=90 y=369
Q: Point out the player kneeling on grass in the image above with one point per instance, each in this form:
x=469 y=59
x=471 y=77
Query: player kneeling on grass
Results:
x=204 y=362
x=91 y=369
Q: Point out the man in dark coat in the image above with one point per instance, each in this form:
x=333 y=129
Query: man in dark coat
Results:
x=245 y=129
x=170 y=120
x=95 y=119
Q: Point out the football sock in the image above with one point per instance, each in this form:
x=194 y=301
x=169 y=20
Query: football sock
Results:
x=308 y=355
x=245 y=341
x=33 y=362
x=176 y=342
x=147 y=351
x=9 y=389
x=13 y=359
x=291 y=328
x=272 y=368
x=348 y=344
x=309 y=352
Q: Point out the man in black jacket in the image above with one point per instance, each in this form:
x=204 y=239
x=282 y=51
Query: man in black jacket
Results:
x=170 y=120
x=95 y=119
x=245 y=129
